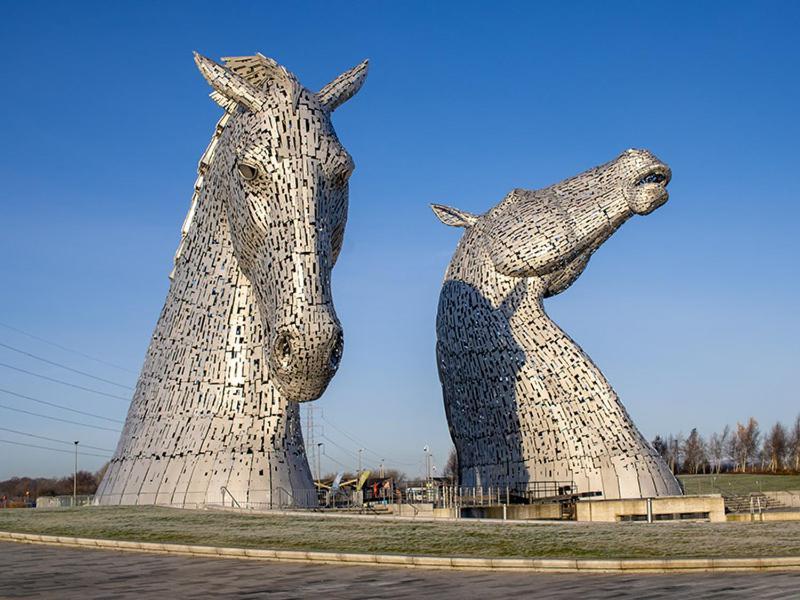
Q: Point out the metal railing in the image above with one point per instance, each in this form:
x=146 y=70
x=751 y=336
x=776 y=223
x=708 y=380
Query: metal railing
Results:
x=234 y=502
x=455 y=496
x=549 y=489
x=431 y=495
x=64 y=501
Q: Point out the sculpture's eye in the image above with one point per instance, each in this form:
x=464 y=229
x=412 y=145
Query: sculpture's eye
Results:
x=247 y=172
x=652 y=178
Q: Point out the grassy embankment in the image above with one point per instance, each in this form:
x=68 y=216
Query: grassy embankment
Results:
x=461 y=538
x=738 y=483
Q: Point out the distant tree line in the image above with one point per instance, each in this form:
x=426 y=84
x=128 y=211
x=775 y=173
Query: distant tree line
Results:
x=18 y=488
x=741 y=449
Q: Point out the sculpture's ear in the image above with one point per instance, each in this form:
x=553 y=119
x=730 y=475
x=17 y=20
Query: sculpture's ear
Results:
x=344 y=87
x=453 y=216
x=229 y=87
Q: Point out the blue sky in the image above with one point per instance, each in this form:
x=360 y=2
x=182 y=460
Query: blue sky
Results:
x=691 y=312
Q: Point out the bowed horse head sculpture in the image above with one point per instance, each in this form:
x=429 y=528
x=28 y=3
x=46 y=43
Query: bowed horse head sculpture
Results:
x=536 y=233
x=286 y=181
x=524 y=403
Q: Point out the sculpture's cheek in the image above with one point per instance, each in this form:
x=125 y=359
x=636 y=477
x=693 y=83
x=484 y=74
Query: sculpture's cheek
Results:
x=532 y=238
x=527 y=260
x=258 y=213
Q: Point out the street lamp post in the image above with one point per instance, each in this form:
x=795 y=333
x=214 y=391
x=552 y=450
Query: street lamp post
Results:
x=319 y=472
x=75 y=478
x=360 y=450
x=427 y=463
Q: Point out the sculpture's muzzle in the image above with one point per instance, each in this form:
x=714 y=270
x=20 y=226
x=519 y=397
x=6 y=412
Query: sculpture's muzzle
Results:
x=306 y=353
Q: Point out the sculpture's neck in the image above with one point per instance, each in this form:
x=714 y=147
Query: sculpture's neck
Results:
x=206 y=273
x=215 y=301
x=472 y=265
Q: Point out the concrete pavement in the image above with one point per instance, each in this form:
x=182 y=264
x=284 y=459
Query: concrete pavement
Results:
x=52 y=572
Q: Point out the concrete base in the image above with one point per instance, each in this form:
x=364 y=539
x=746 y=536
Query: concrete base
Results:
x=420 y=509
x=789 y=499
x=513 y=512
x=662 y=508
x=777 y=515
x=520 y=512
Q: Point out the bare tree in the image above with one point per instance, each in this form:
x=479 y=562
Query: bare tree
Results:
x=753 y=435
x=717 y=446
x=776 y=446
x=694 y=452
x=399 y=477
x=740 y=458
x=732 y=447
x=451 y=468
x=794 y=445
x=746 y=446
x=674 y=452
x=660 y=446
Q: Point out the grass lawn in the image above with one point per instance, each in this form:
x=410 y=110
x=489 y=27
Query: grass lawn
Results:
x=738 y=483
x=461 y=538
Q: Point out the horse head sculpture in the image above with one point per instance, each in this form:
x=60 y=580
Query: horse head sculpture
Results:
x=287 y=191
x=538 y=233
x=524 y=402
x=248 y=329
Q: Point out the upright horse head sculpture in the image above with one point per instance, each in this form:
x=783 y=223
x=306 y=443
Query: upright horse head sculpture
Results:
x=286 y=196
x=524 y=403
x=248 y=329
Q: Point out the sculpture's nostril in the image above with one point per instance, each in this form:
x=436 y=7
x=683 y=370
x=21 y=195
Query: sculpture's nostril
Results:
x=336 y=352
x=283 y=350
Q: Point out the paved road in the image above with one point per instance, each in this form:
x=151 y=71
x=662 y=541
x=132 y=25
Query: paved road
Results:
x=28 y=571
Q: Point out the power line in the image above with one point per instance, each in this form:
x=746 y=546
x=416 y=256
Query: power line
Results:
x=51 y=362
x=342 y=448
x=329 y=457
x=377 y=455
x=61 y=406
x=62 y=382
x=28 y=412
x=351 y=438
x=53 y=449
x=49 y=439
x=65 y=349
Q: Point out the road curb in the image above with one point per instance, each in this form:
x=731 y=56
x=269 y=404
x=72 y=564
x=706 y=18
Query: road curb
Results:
x=532 y=565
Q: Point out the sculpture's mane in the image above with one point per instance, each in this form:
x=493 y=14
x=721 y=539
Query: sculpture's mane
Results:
x=257 y=69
